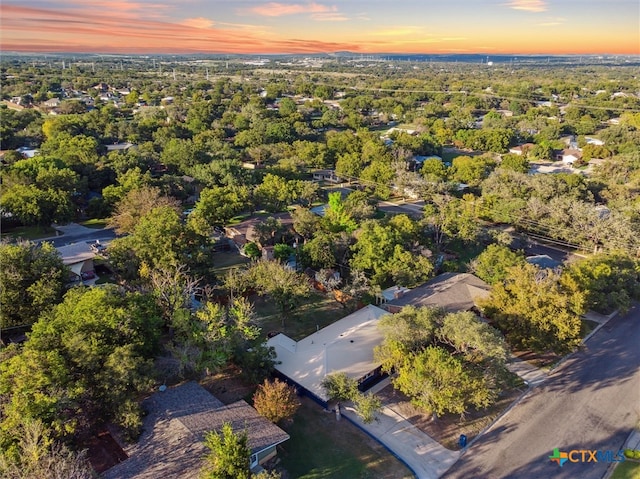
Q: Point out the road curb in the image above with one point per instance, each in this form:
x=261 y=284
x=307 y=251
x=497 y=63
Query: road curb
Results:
x=487 y=428
x=585 y=339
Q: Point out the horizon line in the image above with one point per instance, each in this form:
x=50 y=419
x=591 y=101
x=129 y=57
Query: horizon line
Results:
x=479 y=53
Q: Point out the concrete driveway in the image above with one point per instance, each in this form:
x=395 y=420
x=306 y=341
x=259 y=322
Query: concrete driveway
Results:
x=424 y=456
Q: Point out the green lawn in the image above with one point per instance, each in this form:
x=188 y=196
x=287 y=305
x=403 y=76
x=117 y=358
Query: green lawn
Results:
x=223 y=261
x=627 y=470
x=464 y=252
x=315 y=313
x=28 y=232
x=95 y=223
x=322 y=448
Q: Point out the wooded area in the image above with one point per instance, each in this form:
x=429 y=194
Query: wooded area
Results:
x=315 y=159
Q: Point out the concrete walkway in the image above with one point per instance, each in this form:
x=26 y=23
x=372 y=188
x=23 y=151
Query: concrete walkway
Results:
x=529 y=373
x=426 y=457
x=633 y=442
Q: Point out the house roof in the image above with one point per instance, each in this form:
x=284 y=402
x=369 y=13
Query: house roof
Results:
x=450 y=291
x=344 y=346
x=76 y=253
x=177 y=421
x=543 y=261
x=246 y=227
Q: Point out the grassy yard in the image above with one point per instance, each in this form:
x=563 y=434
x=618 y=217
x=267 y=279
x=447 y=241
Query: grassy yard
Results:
x=223 y=261
x=95 y=223
x=28 y=232
x=464 y=252
x=627 y=470
x=315 y=313
x=323 y=448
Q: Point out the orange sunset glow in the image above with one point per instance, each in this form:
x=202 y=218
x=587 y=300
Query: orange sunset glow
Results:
x=192 y=26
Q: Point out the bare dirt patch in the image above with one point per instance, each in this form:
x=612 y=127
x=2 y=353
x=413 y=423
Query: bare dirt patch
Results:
x=448 y=428
x=228 y=385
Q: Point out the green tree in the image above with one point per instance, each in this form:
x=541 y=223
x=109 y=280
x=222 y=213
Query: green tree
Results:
x=276 y=400
x=517 y=163
x=305 y=223
x=448 y=217
x=336 y=216
x=89 y=359
x=469 y=336
x=252 y=250
x=137 y=203
x=160 y=239
x=367 y=406
x=608 y=280
x=492 y=265
x=216 y=206
x=32 y=278
x=533 y=309
x=471 y=170
x=275 y=192
x=407 y=331
x=380 y=249
x=36 y=206
x=228 y=456
x=284 y=286
x=434 y=169
x=37 y=455
x=282 y=251
x=438 y=382
x=340 y=387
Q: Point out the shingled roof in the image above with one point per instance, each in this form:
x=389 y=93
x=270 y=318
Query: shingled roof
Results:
x=177 y=421
x=450 y=291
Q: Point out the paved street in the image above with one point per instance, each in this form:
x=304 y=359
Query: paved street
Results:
x=75 y=233
x=591 y=401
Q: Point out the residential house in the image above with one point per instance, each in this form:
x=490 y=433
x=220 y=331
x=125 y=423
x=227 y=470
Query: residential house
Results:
x=78 y=258
x=389 y=294
x=450 y=291
x=52 y=103
x=521 y=149
x=345 y=346
x=570 y=156
x=120 y=146
x=244 y=232
x=326 y=175
x=27 y=152
x=171 y=444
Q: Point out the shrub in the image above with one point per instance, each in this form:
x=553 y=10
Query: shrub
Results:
x=276 y=400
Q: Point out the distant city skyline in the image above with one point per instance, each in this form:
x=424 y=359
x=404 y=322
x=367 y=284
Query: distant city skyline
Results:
x=553 y=27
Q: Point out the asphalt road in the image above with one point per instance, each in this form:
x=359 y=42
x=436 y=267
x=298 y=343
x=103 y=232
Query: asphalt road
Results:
x=591 y=401
x=81 y=234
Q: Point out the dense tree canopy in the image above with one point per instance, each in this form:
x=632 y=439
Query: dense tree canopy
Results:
x=33 y=280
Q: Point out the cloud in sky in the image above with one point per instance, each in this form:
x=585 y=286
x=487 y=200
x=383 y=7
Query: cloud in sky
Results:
x=400 y=31
x=552 y=22
x=252 y=26
x=275 y=9
x=528 y=5
x=30 y=29
x=198 y=22
x=329 y=17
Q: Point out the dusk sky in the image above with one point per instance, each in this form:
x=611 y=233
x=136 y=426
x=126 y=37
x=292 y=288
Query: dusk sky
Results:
x=367 y=26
